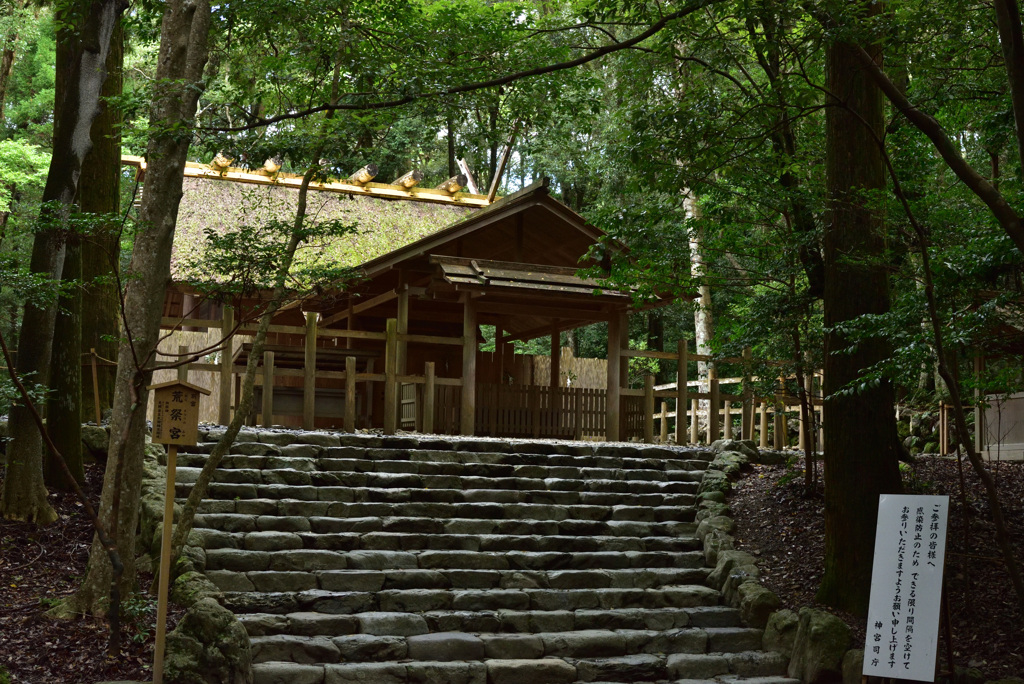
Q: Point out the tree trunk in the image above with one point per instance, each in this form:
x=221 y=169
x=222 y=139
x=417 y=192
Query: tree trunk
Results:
x=703 y=321
x=182 y=56
x=83 y=72
x=63 y=407
x=100 y=193
x=861 y=444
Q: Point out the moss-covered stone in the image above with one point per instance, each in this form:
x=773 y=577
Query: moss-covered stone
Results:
x=780 y=632
x=757 y=603
x=209 y=646
x=720 y=522
x=853 y=665
x=821 y=642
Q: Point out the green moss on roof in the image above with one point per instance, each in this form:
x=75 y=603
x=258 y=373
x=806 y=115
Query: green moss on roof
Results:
x=382 y=225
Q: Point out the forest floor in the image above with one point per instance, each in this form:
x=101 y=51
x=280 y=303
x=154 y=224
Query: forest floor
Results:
x=785 y=528
x=39 y=566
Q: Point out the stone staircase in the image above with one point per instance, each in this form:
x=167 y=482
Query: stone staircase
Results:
x=386 y=560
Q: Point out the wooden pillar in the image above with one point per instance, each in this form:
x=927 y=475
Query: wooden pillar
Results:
x=663 y=434
x=943 y=430
x=268 y=388
x=403 y=328
x=763 y=440
x=183 y=368
x=390 y=371
x=728 y=420
x=694 y=421
x=468 y=408
x=309 y=373
x=714 y=406
x=350 y=322
x=682 y=377
x=188 y=310
x=350 y=394
x=649 y=409
x=613 y=405
x=227 y=324
x=556 y=359
x=747 y=421
x=429 y=395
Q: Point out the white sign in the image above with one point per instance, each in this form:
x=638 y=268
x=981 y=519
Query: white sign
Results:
x=906 y=587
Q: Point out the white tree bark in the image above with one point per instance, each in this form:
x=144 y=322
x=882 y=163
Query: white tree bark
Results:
x=703 y=321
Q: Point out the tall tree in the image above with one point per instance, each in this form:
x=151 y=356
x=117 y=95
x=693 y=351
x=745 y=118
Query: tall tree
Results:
x=861 y=443
x=24 y=496
x=100 y=195
x=182 y=57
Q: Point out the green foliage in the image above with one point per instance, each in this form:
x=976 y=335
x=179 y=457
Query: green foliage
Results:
x=137 y=614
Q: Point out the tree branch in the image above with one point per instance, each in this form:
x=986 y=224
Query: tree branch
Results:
x=654 y=28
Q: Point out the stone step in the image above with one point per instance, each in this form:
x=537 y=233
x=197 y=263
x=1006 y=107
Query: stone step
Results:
x=255 y=455
x=289 y=476
x=246 y=522
x=226 y=492
x=312 y=638
x=275 y=534
x=293 y=614
x=378 y=580
x=207 y=439
x=286 y=592
x=306 y=516
x=325 y=559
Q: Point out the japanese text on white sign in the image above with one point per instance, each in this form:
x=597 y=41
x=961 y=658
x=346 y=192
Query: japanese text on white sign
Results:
x=906 y=587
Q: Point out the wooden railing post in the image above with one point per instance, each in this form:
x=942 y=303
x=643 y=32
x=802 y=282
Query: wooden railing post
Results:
x=429 y=396
x=728 y=420
x=183 y=368
x=577 y=395
x=747 y=421
x=390 y=372
x=714 y=406
x=309 y=373
x=763 y=438
x=350 y=394
x=694 y=421
x=781 y=430
x=268 y=388
x=682 y=377
x=649 y=409
x=663 y=434
x=613 y=404
x=227 y=324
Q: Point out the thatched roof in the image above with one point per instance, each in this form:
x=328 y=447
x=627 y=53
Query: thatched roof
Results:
x=382 y=225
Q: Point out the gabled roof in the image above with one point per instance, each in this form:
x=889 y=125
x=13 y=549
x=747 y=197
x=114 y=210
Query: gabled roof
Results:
x=557 y=234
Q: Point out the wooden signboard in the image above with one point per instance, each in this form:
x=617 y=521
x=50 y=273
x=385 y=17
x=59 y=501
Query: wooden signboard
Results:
x=176 y=412
x=906 y=587
x=175 y=423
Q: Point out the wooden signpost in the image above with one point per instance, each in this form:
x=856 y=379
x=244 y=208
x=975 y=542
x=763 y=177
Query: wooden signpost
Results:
x=175 y=423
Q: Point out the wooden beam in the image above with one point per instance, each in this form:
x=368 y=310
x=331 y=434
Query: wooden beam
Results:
x=403 y=327
x=468 y=173
x=502 y=162
x=359 y=308
x=468 y=408
x=714 y=406
x=453 y=184
x=541 y=311
x=409 y=180
x=364 y=175
x=309 y=374
x=227 y=324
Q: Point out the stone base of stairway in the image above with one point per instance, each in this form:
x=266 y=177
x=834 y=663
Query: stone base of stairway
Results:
x=377 y=559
